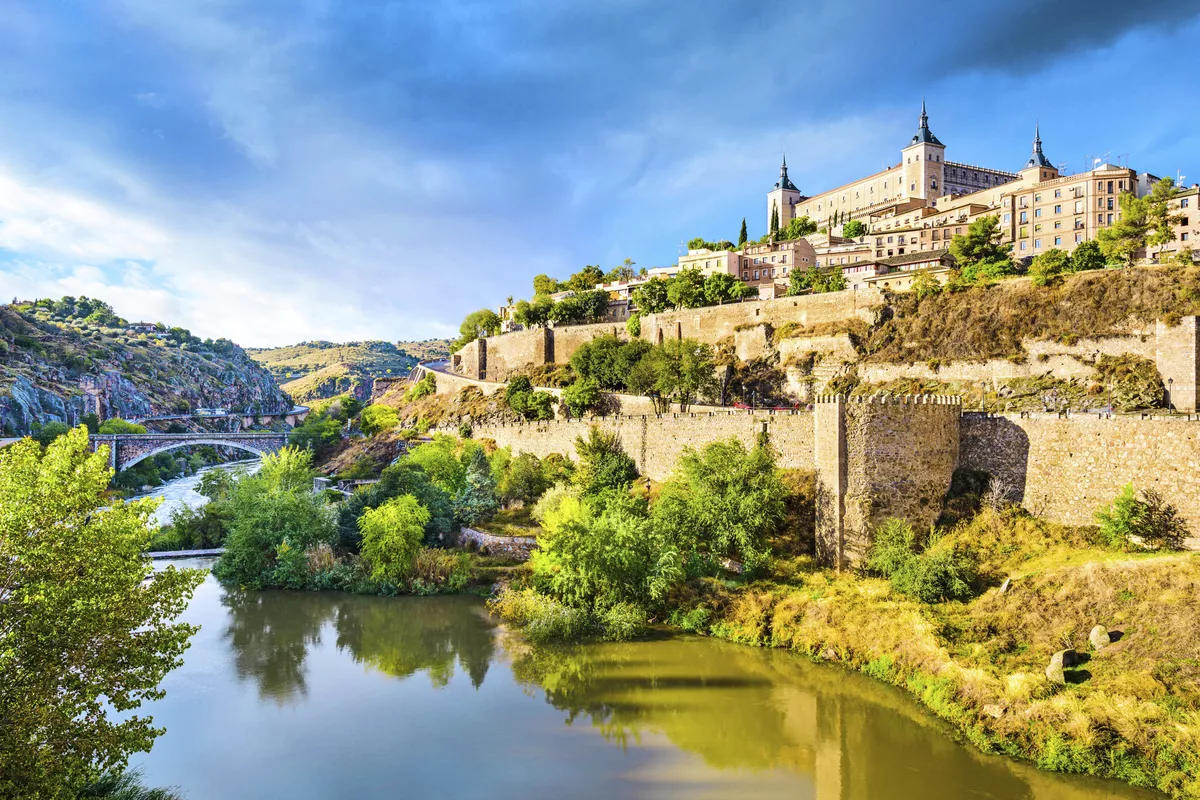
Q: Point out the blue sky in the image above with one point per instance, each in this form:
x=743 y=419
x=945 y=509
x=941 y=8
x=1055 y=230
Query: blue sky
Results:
x=275 y=171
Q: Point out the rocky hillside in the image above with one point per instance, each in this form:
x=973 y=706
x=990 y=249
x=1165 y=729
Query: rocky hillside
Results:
x=319 y=370
x=54 y=353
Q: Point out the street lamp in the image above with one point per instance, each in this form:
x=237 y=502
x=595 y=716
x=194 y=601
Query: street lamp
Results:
x=1170 y=395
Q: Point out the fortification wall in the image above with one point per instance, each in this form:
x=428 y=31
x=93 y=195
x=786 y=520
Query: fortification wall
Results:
x=1177 y=353
x=879 y=458
x=569 y=338
x=1066 y=468
x=516 y=351
x=656 y=442
x=471 y=359
x=714 y=323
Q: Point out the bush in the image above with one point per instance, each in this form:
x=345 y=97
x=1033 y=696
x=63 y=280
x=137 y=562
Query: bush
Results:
x=391 y=537
x=940 y=572
x=623 y=622
x=377 y=419
x=1152 y=521
x=603 y=463
x=581 y=396
x=117 y=425
x=422 y=388
x=542 y=618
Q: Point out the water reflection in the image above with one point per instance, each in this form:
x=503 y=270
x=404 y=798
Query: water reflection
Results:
x=272 y=632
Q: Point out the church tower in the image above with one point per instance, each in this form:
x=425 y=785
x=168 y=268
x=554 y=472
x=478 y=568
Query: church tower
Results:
x=1038 y=168
x=782 y=199
x=923 y=162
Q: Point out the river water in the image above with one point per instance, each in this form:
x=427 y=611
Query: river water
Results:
x=182 y=491
x=304 y=695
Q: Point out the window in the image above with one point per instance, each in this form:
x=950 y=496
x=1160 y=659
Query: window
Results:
x=756 y=261
x=1024 y=216
x=1078 y=223
x=1110 y=187
x=1008 y=217
x=1057 y=241
x=891 y=239
x=1184 y=202
x=914 y=188
x=1110 y=204
x=1183 y=237
x=745 y=276
x=1023 y=245
x=933 y=183
x=783 y=259
x=1037 y=198
x=755 y=274
x=1058 y=193
x=1058 y=209
x=1099 y=219
x=1037 y=212
x=1110 y=219
x=1078 y=238
x=1057 y=224
x=1078 y=206
x=1023 y=233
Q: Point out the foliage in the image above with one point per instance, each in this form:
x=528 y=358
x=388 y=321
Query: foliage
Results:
x=444 y=459
x=391 y=536
x=128 y=785
x=652 y=296
x=1151 y=521
x=1121 y=241
x=607 y=361
x=699 y=243
x=722 y=501
x=797 y=228
x=272 y=507
x=541 y=618
x=476 y=500
x=317 y=434
x=523 y=479
x=521 y=398
x=544 y=285
x=603 y=463
x=925 y=285
x=581 y=396
x=854 y=229
x=815 y=280
x=742 y=235
x=1132 y=382
x=1087 y=256
x=426 y=386
x=721 y=287
x=199 y=527
x=1049 y=266
x=678 y=370
x=86 y=624
x=377 y=419
x=483 y=322
x=118 y=425
x=939 y=572
x=403 y=478
x=633 y=325
x=51 y=431
x=686 y=289
x=980 y=254
x=582 y=306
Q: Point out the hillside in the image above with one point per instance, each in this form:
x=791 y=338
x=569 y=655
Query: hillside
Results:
x=48 y=350
x=320 y=369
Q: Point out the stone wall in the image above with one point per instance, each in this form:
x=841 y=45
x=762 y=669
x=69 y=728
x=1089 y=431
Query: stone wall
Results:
x=515 y=546
x=471 y=360
x=878 y=458
x=1066 y=468
x=517 y=351
x=655 y=442
x=1177 y=353
x=569 y=338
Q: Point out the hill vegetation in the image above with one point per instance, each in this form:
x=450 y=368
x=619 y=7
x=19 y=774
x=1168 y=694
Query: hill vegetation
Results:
x=321 y=370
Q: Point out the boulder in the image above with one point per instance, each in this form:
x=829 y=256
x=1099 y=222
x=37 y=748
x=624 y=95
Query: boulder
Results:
x=1099 y=637
x=1061 y=659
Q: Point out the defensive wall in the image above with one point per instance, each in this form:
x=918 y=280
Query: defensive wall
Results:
x=894 y=456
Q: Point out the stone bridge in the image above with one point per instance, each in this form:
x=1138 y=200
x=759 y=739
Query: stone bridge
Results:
x=127 y=449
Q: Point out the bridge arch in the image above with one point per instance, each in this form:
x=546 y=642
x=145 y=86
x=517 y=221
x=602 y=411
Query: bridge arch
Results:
x=247 y=447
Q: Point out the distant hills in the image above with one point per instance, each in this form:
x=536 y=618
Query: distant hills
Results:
x=319 y=370
x=49 y=350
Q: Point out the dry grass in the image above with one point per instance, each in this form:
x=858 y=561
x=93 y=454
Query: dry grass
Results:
x=990 y=323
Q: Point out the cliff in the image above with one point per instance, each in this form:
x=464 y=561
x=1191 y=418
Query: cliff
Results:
x=60 y=359
x=319 y=370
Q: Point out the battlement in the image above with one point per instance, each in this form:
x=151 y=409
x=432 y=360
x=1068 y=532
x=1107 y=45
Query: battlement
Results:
x=893 y=399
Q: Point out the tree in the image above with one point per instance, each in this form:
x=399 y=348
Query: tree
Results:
x=773 y=231
x=722 y=501
x=797 y=228
x=678 y=370
x=476 y=501
x=391 y=537
x=1158 y=215
x=652 y=297
x=483 y=322
x=1049 y=266
x=51 y=431
x=1130 y=523
x=585 y=280
x=854 y=229
x=403 y=478
x=1121 y=241
x=532 y=314
x=721 y=287
x=377 y=419
x=603 y=463
x=742 y=235
x=686 y=290
x=544 y=285
x=523 y=480
x=118 y=425
x=87 y=625
x=979 y=251
x=317 y=434
x=925 y=285
x=581 y=396
x=1087 y=256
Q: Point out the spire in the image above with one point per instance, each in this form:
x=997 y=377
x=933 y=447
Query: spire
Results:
x=1038 y=159
x=784 y=181
x=924 y=135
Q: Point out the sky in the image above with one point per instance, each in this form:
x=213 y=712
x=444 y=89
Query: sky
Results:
x=274 y=171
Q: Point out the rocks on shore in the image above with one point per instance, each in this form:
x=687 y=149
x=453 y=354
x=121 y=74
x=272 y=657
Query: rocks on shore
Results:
x=1059 y=661
x=1099 y=638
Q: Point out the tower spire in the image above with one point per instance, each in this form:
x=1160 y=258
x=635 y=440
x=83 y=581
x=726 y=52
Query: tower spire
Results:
x=784 y=181
x=1038 y=159
x=924 y=135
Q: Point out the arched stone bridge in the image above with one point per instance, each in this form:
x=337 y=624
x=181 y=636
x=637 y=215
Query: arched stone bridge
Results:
x=127 y=449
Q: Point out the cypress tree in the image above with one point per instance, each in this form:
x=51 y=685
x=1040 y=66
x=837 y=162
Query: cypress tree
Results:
x=774 y=220
x=742 y=237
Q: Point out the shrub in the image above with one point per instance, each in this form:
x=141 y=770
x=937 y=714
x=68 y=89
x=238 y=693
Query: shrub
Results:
x=377 y=419
x=1152 y=521
x=940 y=572
x=117 y=425
x=422 y=388
x=623 y=622
x=603 y=463
x=633 y=325
x=476 y=500
x=391 y=537
x=581 y=396
x=542 y=618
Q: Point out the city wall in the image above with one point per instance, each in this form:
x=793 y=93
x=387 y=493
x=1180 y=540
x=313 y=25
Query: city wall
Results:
x=1066 y=468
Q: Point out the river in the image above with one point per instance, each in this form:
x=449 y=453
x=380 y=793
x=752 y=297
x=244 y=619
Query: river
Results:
x=182 y=491
x=322 y=695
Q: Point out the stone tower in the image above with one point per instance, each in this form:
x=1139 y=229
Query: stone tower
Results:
x=1038 y=168
x=923 y=162
x=783 y=198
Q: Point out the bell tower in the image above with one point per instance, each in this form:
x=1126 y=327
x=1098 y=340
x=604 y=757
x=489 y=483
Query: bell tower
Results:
x=923 y=162
x=783 y=198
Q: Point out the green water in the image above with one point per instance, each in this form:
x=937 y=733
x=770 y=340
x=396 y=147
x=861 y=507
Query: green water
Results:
x=304 y=695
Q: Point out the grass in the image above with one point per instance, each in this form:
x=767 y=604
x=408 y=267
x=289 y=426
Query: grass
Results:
x=511 y=522
x=1134 y=713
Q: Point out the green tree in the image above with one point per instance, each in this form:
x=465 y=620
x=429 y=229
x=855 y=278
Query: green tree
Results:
x=678 y=370
x=686 y=290
x=483 y=322
x=652 y=297
x=51 y=431
x=1124 y=239
x=272 y=510
x=1087 y=256
x=1131 y=523
x=797 y=228
x=581 y=396
x=723 y=501
x=721 y=287
x=1159 y=219
x=476 y=500
x=585 y=280
x=392 y=536
x=403 y=478
x=603 y=463
x=1049 y=266
x=523 y=481
x=544 y=285
x=979 y=252
x=377 y=419
x=773 y=229
x=87 y=626
x=118 y=425
x=854 y=229
x=939 y=572
x=742 y=235
x=925 y=285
